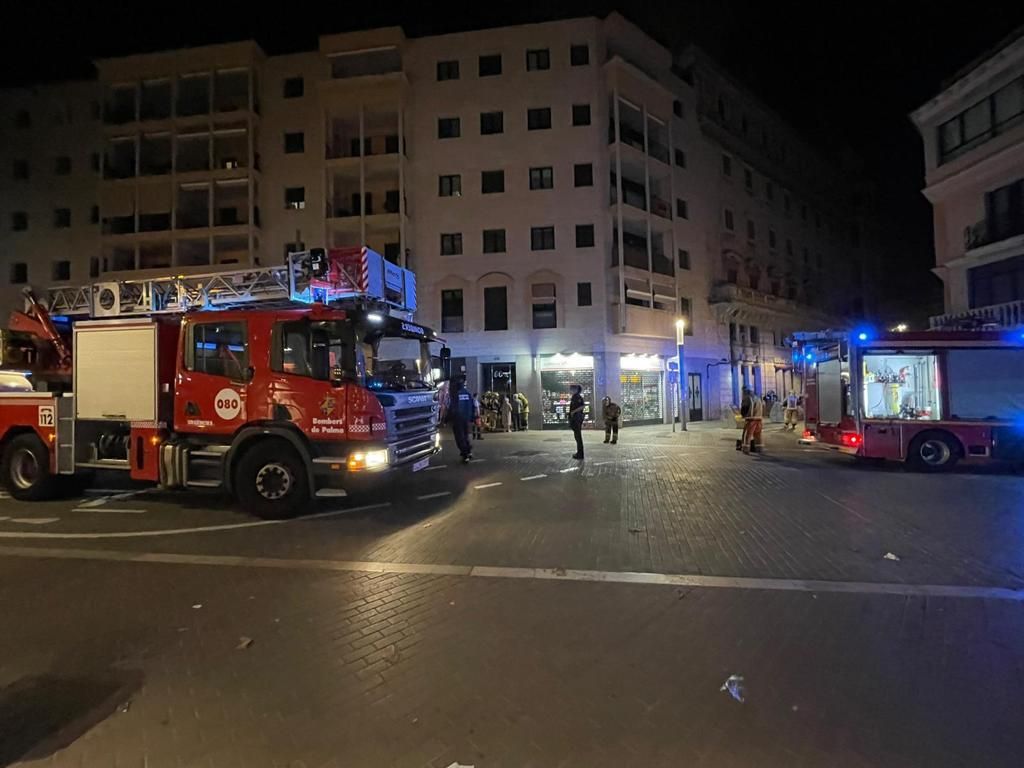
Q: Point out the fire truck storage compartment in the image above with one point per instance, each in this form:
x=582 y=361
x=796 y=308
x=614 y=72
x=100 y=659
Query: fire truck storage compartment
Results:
x=115 y=384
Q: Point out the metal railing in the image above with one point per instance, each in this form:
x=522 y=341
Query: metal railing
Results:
x=1008 y=315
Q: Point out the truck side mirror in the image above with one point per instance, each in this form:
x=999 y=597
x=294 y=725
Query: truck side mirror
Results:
x=446 y=363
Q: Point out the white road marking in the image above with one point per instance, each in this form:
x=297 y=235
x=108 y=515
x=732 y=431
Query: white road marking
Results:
x=602 y=463
x=553 y=574
x=35 y=520
x=182 y=531
x=437 y=495
x=435 y=466
x=5 y=517
x=485 y=485
x=107 y=491
x=94 y=503
x=570 y=469
x=108 y=510
x=533 y=477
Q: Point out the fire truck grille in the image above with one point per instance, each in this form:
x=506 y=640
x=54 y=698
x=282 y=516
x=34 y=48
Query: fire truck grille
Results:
x=411 y=431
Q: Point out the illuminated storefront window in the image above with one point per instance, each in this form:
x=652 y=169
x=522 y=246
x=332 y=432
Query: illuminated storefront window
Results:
x=557 y=374
x=643 y=389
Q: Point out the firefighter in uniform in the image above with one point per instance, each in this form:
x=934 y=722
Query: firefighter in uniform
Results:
x=611 y=412
x=461 y=414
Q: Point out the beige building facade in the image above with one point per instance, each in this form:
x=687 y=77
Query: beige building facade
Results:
x=565 y=192
x=973 y=134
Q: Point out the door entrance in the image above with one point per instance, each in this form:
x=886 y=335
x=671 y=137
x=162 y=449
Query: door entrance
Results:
x=696 y=397
x=498 y=377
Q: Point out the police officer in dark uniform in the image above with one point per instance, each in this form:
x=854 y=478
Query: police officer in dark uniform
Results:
x=576 y=406
x=461 y=415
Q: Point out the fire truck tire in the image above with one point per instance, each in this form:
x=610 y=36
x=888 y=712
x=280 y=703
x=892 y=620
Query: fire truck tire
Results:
x=270 y=481
x=26 y=469
x=933 y=452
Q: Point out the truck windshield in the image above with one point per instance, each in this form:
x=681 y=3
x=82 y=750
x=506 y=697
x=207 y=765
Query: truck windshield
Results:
x=398 y=364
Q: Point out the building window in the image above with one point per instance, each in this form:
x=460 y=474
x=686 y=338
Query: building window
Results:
x=294 y=87
x=19 y=272
x=583 y=175
x=94 y=215
x=755 y=334
x=492 y=122
x=61 y=218
x=295 y=198
x=451 y=311
x=494 y=241
x=583 y=295
x=449 y=186
x=19 y=221
x=1000 y=282
x=989 y=117
x=726 y=165
x=538 y=119
x=94 y=266
x=680 y=158
x=682 y=209
x=771 y=239
x=294 y=143
x=492 y=181
x=751 y=230
x=496 y=308
x=729 y=220
x=451 y=244
x=584 y=235
x=684 y=259
x=62 y=165
x=542 y=178
x=686 y=313
x=61 y=270
x=542 y=238
x=449 y=70
x=539 y=58
x=579 y=55
x=23 y=119
x=448 y=128
x=677 y=107
x=490 y=65
x=581 y=114
x=21 y=170
x=545 y=313
x=748 y=180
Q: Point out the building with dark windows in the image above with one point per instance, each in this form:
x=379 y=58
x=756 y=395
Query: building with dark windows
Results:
x=565 y=191
x=973 y=134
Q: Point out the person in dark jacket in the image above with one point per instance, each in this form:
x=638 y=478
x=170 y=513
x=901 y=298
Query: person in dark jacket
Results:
x=461 y=416
x=610 y=412
x=576 y=406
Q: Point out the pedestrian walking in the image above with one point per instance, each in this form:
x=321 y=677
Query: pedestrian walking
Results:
x=514 y=404
x=576 y=406
x=611 y=412
x=506 y=413
x=461 y=416
x=792 y=411
x=477 y=418
x=752 y=426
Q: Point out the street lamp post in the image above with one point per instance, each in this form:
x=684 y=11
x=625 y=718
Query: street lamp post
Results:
x=680 y=340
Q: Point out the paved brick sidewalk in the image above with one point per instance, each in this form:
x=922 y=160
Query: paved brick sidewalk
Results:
x=361 y=670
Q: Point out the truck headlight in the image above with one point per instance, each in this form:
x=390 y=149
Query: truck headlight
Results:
x=437 y=439
x=358 y=460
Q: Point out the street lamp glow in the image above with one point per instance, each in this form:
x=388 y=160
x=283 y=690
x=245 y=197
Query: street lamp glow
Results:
x=681 y=323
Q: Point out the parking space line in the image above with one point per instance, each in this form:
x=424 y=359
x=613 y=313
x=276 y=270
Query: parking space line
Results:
x=533 y=477
x=93 y=503
x=35 y=520
x=485 y=485
x=569 y=469
x=437 y=495
x=108 y=510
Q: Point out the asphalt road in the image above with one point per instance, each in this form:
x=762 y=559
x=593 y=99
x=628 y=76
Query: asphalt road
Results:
x=527 y=609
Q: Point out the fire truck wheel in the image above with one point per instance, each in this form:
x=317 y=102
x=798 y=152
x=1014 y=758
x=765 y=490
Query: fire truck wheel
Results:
x=26 y=469
x=933 y=452
x=270 y=481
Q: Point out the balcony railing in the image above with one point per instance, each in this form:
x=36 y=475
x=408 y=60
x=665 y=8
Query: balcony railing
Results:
x=658 y=151
x=636 y=256
x=988 y=231
x=1008 y=315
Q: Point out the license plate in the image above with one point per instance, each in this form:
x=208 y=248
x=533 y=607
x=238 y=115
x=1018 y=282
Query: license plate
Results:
x=421 y=464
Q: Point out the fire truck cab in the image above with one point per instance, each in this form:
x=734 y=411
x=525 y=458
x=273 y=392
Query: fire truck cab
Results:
x=929 y=399
x=300 y=384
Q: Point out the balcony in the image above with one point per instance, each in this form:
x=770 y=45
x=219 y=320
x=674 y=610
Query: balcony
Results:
x=642 y=321
x=733 y=301
x=1008 y=315
x=994 y=230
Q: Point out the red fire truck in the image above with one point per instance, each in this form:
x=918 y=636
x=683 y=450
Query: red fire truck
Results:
x=929 y=399
x=277 y=384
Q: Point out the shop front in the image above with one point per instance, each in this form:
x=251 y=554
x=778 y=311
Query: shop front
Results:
x=557 y=374
x=642 y=378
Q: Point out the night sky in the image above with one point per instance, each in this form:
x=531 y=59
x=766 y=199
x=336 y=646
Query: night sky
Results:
x=842 y=73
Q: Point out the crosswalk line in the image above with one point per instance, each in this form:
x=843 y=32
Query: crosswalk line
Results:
x=35 y=520
x=437 y=495
x=533 y=477
x=569 y=469
x=485 y=485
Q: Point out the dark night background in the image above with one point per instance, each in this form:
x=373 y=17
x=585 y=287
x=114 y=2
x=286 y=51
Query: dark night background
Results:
x=842 y=73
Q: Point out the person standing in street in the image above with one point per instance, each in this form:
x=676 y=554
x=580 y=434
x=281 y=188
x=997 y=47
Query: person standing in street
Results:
x=576 y=406
x=611 y=412
x=752 y=426
x=461 y=416
x=514 y=404
x=477 y=418
x=506 y=413
x=792 y=410
x=524 y=411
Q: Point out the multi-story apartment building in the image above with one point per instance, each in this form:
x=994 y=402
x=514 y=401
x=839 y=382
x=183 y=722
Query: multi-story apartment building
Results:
x=565 y=192
x=973 y=133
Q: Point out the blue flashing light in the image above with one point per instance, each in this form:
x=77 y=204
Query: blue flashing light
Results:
x=862 y=336
x=809 y=356
x=60 y=318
